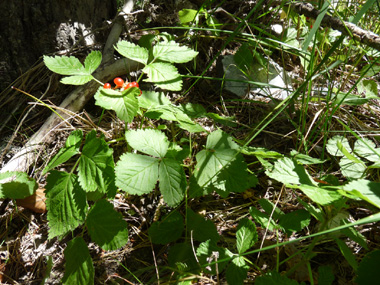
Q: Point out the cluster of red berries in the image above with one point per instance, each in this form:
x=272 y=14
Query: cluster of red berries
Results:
x=120 y=84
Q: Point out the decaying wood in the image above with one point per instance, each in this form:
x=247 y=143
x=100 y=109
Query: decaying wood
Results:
x=346 y=28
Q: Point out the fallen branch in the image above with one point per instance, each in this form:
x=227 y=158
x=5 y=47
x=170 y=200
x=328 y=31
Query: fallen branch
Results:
x=346 y=28
x=74 y=102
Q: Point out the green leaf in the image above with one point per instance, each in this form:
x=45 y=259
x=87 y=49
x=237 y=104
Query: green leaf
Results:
x=364 y=189
x=106 y=227
x=65 y=65
x=226 y=121
x=268 y=207
x=369 y=87
x=347 y=253
x=199 y=228
x=367 y=149
x=164 y=75
x=16 y=185
x=78 y=268
x=72 y=66
x=151 y=99
x=187 y=15
x=244 y=58
x=354 y=234
x=132 y=51
x=220 y=166
x=351 y=169
x=263 y=219
x=305 y=159
x=172 y=181
x=193 y=110
x=96 y=166
x=167 y=230
x=208 y=252
x=136 y=174
x=288 y=171
x=187 y=124
x=149 y=141
x=246 y=235
x=318 y=195
x=368 y=269
x=124 y=103
x=294 y=221
x=70 y=149
x=92 y=61
x=332 y=145
x=237 y=271
x=66 y=203
x=274 y=278
x=77 y=79
x=260 y=152
x=173 y=52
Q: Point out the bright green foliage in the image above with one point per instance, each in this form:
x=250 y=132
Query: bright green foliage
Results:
x=366 y=190
x=173 y=52
x=319 y=195
x=220 y=166
x=368 y=270
x=199 y=228
x=148 y=141
x=167 y=230
x=151 y=99
x=332 y=146
x=70 y=149
x=80 y=74
x=16 y=185
x=246 y=235
x=138 y=174
x=66 y=203
x=106 y=226
x=367 y=149
x=78 y=268
x=132 y=51
x=305 y=159
x=163 y=73
x=124 y=103
x=96 y=166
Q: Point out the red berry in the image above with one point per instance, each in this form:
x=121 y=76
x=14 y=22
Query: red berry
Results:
x=107 y=86
x=118 y=82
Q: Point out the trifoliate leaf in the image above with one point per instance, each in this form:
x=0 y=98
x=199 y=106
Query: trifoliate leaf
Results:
x=332 y=145
x=132 y=51
x=92 y=61
x=96 y=166
x=288 y=171
x=237 y=271
x=172 y=181
x=173 y=52
x=169 y=229
x=16 y=185
x=106 y=227
x=125 y=103
x=246 y=235
x=78 y=268
x=70 y=149
x=199 y=228
x=136 y=174
x=164 y=75
x=149 y=141
x=66 y=203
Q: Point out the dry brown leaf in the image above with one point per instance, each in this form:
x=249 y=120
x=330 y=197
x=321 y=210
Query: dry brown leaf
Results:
x=36 y=202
